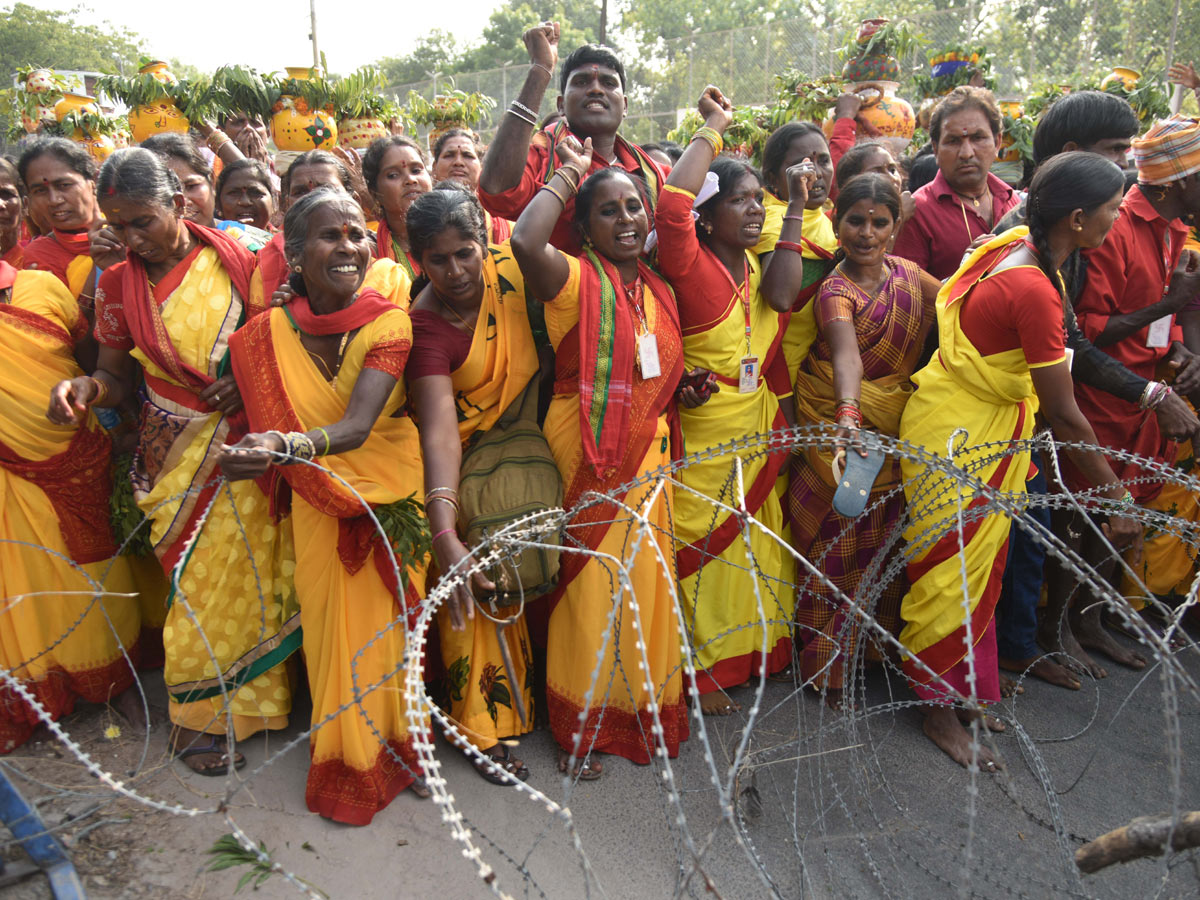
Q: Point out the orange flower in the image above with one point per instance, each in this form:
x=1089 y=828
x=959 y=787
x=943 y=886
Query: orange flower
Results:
x=487 y=679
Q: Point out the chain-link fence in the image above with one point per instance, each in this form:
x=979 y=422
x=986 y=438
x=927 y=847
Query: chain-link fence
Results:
x=1029 y=44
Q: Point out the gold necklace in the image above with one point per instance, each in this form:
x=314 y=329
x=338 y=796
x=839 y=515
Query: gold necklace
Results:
x=332 y=375
x=454 y=312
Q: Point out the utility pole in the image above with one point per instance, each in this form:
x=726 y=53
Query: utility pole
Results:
x=603 y=21
x=312 y=18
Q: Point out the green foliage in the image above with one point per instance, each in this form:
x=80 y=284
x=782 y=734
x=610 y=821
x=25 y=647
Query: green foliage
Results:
x=893 y=39
x=407 y=530
x=228 y=852
x=978 y=64
x=802 y=98
x=38 y=37
x=1020 y=130
x=449 y=108
x=246 y=90
x=125 y=515
x=197 y=99
x=357 y=96
x=745 y=136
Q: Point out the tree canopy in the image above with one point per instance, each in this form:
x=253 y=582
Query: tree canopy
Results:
x=37 y=37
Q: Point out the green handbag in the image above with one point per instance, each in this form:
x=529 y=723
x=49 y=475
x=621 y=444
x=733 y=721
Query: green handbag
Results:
x=508 y=472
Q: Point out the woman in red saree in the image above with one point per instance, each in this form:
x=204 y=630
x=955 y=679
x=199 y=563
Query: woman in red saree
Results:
x=56 y=637
x=396 y=172
x=613 y=670
x=323 y=377
x=873 y=313
x=171 y=306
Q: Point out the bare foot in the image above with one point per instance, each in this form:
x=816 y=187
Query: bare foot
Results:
x=1008 y=686
x=1093 y=635
x=1074 y=658
x=942 y=727
x=991 y=723
x=129 y=704
x=1042 y=667
x=715 y=703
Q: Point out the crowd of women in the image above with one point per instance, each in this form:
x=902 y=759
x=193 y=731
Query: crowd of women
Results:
x=209 y=427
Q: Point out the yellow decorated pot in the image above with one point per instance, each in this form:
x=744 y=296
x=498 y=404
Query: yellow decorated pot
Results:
x=159 y=70
x=99 y=146
x=295 y=127
x=358 y=134
x=299 y=73
x=75 y=103
x=156 y=118
x=1128 y=78
x=892 y=117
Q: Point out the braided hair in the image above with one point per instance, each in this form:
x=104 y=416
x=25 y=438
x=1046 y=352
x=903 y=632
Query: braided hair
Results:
x=1063 y=184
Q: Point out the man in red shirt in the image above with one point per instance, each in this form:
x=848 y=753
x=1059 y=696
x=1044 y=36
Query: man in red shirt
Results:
x=964 y=200
x=593 y=104
x=1137 y=281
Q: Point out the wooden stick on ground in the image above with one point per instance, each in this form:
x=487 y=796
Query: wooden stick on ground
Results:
x=1143 y=836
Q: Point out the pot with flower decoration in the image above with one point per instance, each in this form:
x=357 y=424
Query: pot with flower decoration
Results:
x=302 y=118
x=873 y=72
x=153 y=96
x=1127 y=78
x=361 y=110
x=1011 y=111
x=458 y=109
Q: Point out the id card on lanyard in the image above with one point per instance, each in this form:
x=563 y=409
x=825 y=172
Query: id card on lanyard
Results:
x=646 y=356
x=1158 y=335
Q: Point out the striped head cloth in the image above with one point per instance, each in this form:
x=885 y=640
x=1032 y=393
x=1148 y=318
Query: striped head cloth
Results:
x=1169 y=151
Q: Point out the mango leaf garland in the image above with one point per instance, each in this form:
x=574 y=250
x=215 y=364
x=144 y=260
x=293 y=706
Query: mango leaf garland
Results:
x=407 y=530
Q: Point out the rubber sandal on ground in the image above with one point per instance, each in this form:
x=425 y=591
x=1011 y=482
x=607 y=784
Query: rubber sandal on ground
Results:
x=212 y=746
x=854 y=483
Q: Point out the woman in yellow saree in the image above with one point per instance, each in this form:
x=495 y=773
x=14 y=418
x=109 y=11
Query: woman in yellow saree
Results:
x=730 y=331
x=473 y=355
x=171 y=307
x=55 y=543
x=323 y=377
x=613 y=673
x=1001 y=358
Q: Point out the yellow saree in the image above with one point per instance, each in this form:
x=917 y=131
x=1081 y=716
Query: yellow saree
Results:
x=993 y=400
x=233 y=619
x=500 y=364
x=353 y=622
x=55 y=542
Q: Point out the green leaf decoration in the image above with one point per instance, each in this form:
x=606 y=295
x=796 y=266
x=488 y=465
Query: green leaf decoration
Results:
x=125 y=515
x=506 y=286
x=407 y=530
x=457 y=676
x=500 y=694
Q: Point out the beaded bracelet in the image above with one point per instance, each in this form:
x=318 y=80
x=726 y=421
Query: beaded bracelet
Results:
x=523 y=108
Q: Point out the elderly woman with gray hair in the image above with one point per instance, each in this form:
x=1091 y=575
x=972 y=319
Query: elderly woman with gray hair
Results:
x=322 y=380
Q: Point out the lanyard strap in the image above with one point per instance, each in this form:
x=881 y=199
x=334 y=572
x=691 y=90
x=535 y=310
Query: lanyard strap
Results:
x=743 y=294
x=634 y=296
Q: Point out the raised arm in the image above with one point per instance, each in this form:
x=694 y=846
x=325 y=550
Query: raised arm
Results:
x=689 y=172
x=505 y=160
x=544 y=267
x=785 y=268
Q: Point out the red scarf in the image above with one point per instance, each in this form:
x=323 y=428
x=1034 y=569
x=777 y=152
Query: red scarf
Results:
x=631 y=421
x=272 y=267
x=142 y=312
x=369 y=306
x=256 y=366
x=56 y=251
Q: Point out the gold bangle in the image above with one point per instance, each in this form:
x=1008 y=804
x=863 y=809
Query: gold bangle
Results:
x=101 y=391
x=553 y=190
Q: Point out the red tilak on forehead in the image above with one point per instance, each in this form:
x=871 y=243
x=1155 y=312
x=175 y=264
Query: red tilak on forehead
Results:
x=345 y=228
